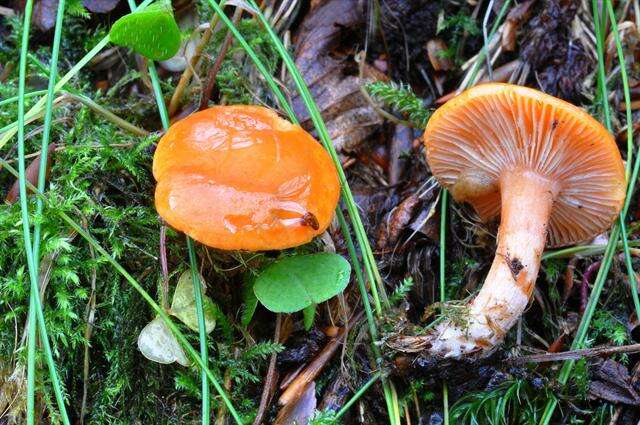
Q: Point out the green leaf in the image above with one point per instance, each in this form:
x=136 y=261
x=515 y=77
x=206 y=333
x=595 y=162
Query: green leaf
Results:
x=183 y=305
x=308 y=314
x=157 y=343
x=152 y=32
x=250 y=300
x=296 y=282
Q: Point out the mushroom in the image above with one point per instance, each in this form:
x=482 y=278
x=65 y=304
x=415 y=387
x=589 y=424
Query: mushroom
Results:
x=242 y=178
x=550 y=171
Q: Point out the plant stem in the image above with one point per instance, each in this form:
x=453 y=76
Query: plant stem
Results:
x=26 y=96
x=364 y=294
x=445 y=402
x=107 y=114
x=602 y=79
x=482 y=53
x=443 y=248
x=443 y=243
x=625 y=84
x=185 y=78
x=633 y=284
x=357 y=395
x=157 y=91
x=202 y=331
x=275 y=88
x=26 y=231
x=46 y=136
x=7 y=135
x=584 y=250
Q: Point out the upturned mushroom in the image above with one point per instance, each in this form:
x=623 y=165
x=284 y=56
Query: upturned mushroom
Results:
x=242 y=178
x=551 y=172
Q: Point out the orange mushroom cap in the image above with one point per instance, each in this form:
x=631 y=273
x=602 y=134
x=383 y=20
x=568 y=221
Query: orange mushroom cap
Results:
x=241 y=177
x=492 y=128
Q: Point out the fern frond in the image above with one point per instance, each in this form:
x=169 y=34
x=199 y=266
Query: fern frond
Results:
x=401 y=291
x=402 y=100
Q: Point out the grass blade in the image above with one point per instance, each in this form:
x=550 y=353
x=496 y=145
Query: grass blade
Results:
x=195 y=276
x=629 y=118
x=31 y=339
x=202 y=330
x=618 y=228
x=35 y=308
x=361 y=391
x=329 y=146
x=26 y=96
x=46 y=135
x=184 y=343
x=482 y=53
x=443 y=243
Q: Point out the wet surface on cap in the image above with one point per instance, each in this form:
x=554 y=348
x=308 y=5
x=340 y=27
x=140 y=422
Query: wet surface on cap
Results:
x=243 y=178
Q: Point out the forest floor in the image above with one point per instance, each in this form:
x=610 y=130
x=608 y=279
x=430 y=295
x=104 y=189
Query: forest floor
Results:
x=377 y=69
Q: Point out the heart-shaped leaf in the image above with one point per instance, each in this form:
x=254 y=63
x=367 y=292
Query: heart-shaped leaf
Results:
x=183 y=305
x=157 y=343
x=296 y=282
x=152 y=32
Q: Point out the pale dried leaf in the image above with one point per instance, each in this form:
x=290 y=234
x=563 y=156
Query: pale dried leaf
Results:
x=157 y=343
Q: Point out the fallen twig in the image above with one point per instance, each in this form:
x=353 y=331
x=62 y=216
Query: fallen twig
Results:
x=185 y=78
x=313 y=369
x=215 y=68
x=297 y=387
x=574 y=354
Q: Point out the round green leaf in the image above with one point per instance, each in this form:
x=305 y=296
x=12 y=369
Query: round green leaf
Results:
x=152 y=32
x=296 y=282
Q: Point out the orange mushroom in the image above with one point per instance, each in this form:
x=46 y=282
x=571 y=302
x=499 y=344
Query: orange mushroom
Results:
x=550 y=171
x=242 y=178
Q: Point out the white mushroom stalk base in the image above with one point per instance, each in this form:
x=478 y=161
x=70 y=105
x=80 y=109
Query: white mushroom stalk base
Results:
x=527 y=199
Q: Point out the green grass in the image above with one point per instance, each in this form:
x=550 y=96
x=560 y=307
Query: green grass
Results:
x=70 y=221
x=373 y=274
x=195 y=277
x=180 y=336
x=80 y=207
x=370 y=266
x=618 y=229
x=33 y=251
x=514 y=401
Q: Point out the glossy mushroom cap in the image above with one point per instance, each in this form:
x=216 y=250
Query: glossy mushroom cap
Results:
x=242 y=178
x=492 y=128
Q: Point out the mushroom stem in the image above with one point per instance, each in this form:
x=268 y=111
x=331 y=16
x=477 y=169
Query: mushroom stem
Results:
x=527 y=199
